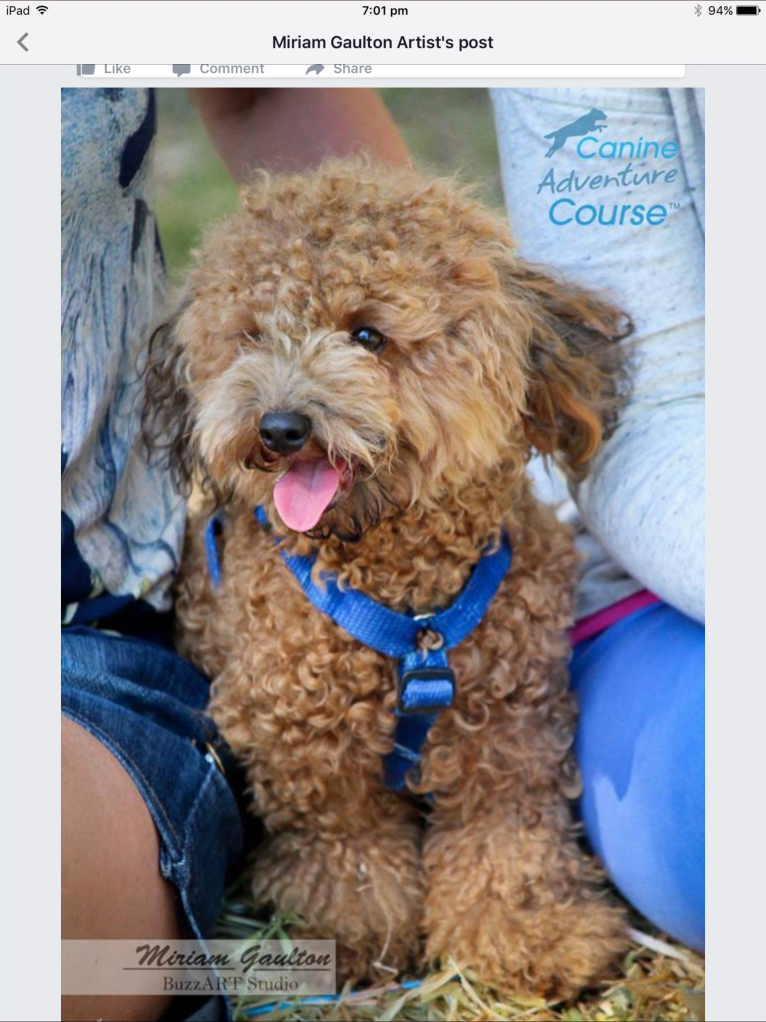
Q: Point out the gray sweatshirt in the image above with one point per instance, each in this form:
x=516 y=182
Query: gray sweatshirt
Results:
x=639 y=515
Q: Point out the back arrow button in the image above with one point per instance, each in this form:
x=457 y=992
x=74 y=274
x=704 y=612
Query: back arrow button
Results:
x=21 y=42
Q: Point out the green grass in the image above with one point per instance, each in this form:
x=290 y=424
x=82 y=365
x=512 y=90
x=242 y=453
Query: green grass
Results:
x=449 y=131
x=193 y=187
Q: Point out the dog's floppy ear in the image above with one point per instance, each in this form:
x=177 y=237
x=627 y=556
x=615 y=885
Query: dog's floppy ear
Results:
x=576 y=367
x=166 y=420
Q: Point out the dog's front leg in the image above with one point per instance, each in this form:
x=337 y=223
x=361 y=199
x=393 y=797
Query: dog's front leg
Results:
x=360 y=885
x=510 y=893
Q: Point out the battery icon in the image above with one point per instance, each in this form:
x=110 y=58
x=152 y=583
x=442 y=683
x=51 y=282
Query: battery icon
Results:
x=745 y=9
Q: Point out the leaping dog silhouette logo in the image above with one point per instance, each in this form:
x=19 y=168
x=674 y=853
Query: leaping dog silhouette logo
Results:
x=582 y=126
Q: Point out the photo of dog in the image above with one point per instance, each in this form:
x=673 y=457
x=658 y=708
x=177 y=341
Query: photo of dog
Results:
x=362 y=354
x=382 y=544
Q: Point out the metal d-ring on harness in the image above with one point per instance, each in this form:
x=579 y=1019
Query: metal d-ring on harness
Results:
x=419 y=643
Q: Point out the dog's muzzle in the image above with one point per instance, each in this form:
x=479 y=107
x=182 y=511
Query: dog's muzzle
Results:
x=285 y=432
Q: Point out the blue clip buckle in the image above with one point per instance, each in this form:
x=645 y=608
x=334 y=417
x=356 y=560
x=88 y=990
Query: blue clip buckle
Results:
x=425 y=689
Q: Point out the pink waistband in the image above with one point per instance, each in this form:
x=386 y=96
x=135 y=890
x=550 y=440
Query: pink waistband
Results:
x=589 y=626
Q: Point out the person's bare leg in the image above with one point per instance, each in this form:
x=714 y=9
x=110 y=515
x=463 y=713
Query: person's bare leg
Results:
x=111 y=885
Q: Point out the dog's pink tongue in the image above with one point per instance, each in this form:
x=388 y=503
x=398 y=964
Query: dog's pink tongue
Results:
x=304 y=491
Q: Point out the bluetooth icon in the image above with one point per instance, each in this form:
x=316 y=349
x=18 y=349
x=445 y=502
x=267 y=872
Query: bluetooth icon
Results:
x=698 y=10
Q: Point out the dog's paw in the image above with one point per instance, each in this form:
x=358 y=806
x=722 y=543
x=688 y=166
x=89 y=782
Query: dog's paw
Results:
x=365 y=892
x=552 y=953
x=519 y=911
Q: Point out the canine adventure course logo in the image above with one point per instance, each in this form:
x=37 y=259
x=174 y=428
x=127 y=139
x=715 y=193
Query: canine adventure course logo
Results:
x=647 y=163
x=582 y=126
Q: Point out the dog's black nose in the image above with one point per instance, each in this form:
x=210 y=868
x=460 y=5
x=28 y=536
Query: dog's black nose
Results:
x=285 y=432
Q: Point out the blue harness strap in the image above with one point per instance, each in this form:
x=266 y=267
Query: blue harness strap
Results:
x=426 y=682
x=213 y=530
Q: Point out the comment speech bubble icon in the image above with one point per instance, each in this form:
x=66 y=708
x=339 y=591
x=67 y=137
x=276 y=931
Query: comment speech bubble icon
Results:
x=181 y=69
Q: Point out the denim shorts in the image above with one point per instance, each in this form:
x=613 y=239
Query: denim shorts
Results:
x=146 y=705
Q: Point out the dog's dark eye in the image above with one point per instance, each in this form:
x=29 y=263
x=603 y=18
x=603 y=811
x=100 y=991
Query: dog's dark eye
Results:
x=371 y=338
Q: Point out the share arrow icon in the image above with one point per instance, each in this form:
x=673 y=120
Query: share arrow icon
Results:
x=317 y=68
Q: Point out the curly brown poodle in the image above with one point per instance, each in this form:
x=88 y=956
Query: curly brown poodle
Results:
x=361 y=352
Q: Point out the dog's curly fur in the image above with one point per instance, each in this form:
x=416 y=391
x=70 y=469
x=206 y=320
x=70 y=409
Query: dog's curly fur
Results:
x=487 y=358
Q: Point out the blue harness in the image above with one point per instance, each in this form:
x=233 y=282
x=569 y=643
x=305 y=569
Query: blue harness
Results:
x=426 y=682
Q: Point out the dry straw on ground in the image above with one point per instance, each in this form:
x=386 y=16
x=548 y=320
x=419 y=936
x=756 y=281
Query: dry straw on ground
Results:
x=657 y=980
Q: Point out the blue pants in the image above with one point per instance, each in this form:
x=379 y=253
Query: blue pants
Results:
x=640 y=745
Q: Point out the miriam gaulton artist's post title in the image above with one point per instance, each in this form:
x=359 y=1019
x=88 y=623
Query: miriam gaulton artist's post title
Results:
x=368 y=42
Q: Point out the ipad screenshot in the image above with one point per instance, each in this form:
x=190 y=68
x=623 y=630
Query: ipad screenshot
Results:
x=378 y=432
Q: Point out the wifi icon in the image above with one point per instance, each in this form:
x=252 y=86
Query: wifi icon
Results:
x=41 y=9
